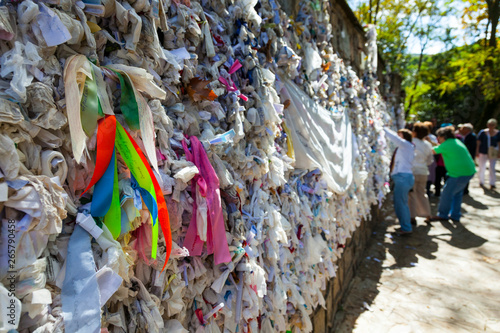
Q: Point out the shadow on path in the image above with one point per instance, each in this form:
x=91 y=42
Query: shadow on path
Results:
x=390 y=260
x=406 y=250
x=467 y=199
x=461 y=237
x=363 y=289
x=492 y=193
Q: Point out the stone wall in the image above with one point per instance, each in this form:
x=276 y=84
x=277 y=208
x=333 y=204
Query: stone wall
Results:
x=336 y=289
x=349 y=38
x=349 y=41
x=348 y=35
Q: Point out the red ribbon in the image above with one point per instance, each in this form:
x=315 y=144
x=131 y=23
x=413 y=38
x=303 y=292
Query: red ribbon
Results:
x=199 y=315
x=105 y=144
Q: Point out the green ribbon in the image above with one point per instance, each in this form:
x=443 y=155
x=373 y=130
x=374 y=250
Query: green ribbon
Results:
x=90 y=106
x=140 y=172
x=315 y=5
x=128 y=102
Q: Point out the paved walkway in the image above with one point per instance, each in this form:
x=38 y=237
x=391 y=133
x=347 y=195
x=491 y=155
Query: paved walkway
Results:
x=444 y=278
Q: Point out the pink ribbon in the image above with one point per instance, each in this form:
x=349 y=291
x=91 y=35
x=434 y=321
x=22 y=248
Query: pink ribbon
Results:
x=228 y=87
x=207 y=183
x=236 y=65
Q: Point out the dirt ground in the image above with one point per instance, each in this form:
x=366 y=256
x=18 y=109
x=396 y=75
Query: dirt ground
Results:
x=442 y=278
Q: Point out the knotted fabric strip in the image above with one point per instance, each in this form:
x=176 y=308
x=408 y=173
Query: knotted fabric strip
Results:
x=208 y=184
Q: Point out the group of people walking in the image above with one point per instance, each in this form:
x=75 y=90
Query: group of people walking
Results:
x=419 y=152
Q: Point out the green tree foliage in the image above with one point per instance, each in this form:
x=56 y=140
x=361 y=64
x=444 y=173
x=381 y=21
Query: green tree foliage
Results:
x=480 y=17
x=398 y=21
x=437 y=97
x=461 y=84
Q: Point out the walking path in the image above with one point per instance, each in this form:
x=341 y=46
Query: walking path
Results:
x=444 y=278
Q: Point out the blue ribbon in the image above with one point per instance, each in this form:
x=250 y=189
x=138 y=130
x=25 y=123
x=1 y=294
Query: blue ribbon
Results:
x=103 y=190
x=147 y=198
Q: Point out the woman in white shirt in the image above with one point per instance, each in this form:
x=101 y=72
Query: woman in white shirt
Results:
x=402 y=176
x=419 y=202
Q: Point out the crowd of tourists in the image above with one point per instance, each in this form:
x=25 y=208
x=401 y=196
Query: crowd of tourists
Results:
x=427 y=155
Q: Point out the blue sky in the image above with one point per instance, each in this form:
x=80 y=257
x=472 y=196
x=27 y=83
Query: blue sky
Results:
x=436 y=46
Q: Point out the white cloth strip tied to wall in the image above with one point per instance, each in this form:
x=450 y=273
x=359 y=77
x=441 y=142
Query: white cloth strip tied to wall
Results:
x=321 y=139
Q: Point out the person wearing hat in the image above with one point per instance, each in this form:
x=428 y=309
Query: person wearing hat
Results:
x=460 y=168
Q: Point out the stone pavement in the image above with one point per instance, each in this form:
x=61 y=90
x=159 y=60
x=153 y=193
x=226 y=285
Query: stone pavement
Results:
x=444 y=278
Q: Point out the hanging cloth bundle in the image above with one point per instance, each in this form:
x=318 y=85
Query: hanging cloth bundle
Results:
x=84 y=83
x=207 y=183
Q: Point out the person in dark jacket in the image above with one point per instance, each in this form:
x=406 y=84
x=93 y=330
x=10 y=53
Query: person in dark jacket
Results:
x=469 y=138
x=470 y=141
x=488 y=141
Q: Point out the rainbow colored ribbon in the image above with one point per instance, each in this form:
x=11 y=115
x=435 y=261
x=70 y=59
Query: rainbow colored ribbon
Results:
x=106 y=200
x=113 y=138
